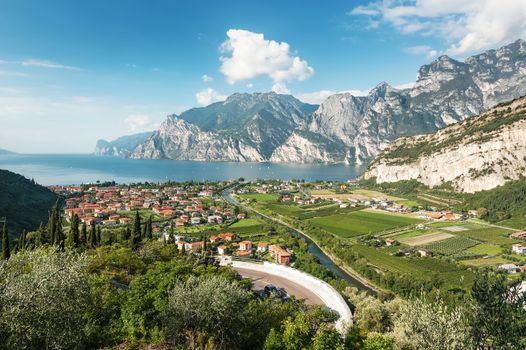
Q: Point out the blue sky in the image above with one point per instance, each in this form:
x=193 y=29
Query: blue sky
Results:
x=75 y=71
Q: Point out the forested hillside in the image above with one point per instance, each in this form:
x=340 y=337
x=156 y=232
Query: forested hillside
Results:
x=23 y=203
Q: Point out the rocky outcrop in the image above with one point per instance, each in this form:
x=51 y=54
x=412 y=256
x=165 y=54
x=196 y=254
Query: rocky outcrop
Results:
x=477 y=154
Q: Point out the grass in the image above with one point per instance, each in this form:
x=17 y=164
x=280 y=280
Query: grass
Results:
x=361 y=222
x=498 y=260
x=245 y=223
x=485 y=249
x=493 y=235
x=518 y=222
x=260 y=197
x=452 y=246
x=427 y=238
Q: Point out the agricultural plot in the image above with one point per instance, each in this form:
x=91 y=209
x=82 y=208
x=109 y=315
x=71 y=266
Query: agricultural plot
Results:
x=452 y=274
x=455 y=228
x=484 y=249
x=260 y=197
x=361 y=222
x=452 y=246
x=493 y=235
x=426 y=238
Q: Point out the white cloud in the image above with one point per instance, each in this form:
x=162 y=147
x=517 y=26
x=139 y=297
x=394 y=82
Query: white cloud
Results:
x=208 y=96
x=250 y=86
x=139 y=122
x=47 y=64
x=466 y=26
x=248 y=55
x=206 y=78
x=13 y=74
x=280 y=88
x=131 y=65
x=317 y=97
x=405 y=85
x=426 y=50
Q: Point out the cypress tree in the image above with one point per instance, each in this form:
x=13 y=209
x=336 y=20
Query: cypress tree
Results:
x=84 y=234
x=93 y=235
x=22 y=241
x=148 y=230
x=75 y=230
x=59 y=235
x=127 y=233
x=99 y=234
x=6 y=253
x=137 y=226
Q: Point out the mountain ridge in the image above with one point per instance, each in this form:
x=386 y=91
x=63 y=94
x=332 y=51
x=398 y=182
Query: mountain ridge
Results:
x=344 y=128
x=479 y=153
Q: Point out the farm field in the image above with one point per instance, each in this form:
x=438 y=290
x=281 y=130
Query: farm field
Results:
x=245 y=223
x=493 y=235
x=452 y=246
x=452 y=274
x=479 y=262
x=260 y=197
x=361 y=222
x=426 y=238
x=484 y=249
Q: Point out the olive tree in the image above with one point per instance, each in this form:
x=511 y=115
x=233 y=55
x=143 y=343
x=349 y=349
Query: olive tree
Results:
x=207 y=310
x=43 y=298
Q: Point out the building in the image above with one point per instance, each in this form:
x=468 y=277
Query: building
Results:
x=518 y=234
x=518 y=249
x=262 y=247
x=509 y=268
x=245 y=245
x=390 y=242
x=227 y=236
x=222 y=250
x=425 y=253
x=280 y=255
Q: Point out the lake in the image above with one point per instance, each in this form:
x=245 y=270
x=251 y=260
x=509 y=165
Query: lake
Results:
x=65 y=169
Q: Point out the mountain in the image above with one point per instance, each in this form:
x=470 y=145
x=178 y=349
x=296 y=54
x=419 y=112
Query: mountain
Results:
x=344 y=128
x=24 y=203
x=245 y=127
x=122 y=146
x=4 y=151
x=477 y=154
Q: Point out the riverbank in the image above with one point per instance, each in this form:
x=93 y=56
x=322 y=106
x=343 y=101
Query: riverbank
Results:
x=337 y=267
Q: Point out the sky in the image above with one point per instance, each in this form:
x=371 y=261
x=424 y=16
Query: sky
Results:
x=72 y=72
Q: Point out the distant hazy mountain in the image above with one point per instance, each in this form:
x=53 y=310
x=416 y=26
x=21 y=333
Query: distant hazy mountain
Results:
x=122 y=146
x=344 y=128
x=24 y=203
x=245 y=127
x=477 y=154
x=4 y=151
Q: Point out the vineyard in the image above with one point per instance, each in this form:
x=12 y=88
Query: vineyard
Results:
x=452 y=246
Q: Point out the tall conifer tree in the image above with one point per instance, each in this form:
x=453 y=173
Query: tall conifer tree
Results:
x=6 y=253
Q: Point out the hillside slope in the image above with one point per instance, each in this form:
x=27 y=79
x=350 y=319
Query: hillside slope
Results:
x=477 y=154
x=24 y=203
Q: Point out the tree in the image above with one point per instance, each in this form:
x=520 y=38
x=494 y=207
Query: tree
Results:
x=73 y=239
x=84 y=234
x=137 y=226
x=499 y=317
x=6 y=253
x=327 y=338
x=44 y=298
x=433 y=325
x=148 y=229
x=93 y=235
x=99 y=234
x=22 y=241
x=207 y=308
x=273 y=341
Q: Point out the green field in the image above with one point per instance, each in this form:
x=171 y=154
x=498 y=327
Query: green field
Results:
x=494 y=235
x=245 y=223
x=484 y=249
x=361 y=222
x=452 y=246
x=452 y=274
x=260 y=197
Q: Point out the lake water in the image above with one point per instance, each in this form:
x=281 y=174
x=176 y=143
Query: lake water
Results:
x=64 y=169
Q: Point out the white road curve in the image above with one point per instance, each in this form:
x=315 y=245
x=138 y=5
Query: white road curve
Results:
x=325 y=292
